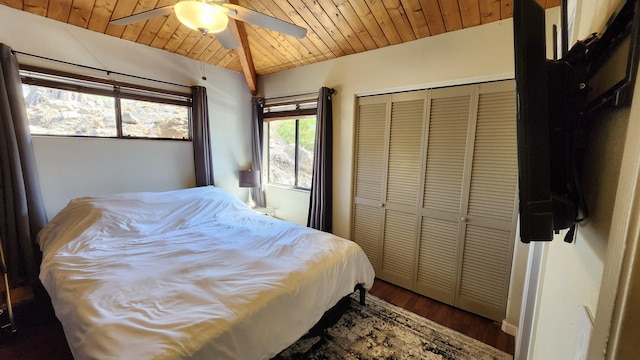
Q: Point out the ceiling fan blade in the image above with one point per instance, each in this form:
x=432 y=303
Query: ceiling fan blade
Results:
x=253 y=17
x=145 y=15
x=226 y=39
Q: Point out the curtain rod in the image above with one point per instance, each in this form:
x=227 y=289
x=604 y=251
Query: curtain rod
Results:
x=291 y=96
x=109 y=72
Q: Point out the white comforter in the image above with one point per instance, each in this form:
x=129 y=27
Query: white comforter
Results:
x=189 y=274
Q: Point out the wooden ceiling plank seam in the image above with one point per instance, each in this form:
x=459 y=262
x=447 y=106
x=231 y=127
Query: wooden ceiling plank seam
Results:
x=285 y=44
x=16 y=4
x=383 y=18
x=506 y=9
x=122 y=9
x=315 y=47
x=100 y=15
x=276 y=52
x=218 y=55
x=269 y=56
x=279 y=44
x=132 y=31
x=417 y=19
x=208 y=53
x=433 y=15
x=188 y=43
x=489 y=11
x=263 y=59
x=470 y=13
x=154 y=25
x=225 y=58
x=178 y=37
x=451 y=15
x=233 y=64
x=316 y=30
x=150 y=30
x=300 y=49
x=38 y=7
x=203 y=43
x=311 y=51
x=400 y=20
x=370 y=23
x=59 y=10
x=80 y=13
x=356 y=25
x=166 y=32
x=338 y=25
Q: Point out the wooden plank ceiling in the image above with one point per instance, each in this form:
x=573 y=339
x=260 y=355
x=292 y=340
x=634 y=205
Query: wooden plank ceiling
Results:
x=335 y=27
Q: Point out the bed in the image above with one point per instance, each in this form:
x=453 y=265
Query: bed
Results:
x=189 y=274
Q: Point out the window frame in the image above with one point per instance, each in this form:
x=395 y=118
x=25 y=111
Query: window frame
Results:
x=288 y=111
x=54 y=79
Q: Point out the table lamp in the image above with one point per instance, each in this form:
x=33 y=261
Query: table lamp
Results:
x=250 y=179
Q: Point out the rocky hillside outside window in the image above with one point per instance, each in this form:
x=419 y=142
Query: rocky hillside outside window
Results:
x=291 y=130
x=64 y=105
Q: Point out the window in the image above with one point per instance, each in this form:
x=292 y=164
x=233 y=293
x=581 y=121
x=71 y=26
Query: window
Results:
x=291 y=137
x=80 y=106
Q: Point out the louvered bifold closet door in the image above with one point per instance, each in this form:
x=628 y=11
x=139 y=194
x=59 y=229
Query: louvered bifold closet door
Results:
x=448 y=119
x=491 y=213
x=404 y=175
x=370 y=169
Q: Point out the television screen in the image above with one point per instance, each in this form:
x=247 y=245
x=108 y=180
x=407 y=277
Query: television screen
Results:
x=536 y=210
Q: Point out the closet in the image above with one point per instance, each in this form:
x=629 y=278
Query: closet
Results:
x=435 y=191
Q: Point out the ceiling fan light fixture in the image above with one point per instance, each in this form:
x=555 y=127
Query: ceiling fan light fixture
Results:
x=201 y=16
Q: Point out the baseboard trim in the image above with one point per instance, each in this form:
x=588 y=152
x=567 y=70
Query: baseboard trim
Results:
x=509 y=328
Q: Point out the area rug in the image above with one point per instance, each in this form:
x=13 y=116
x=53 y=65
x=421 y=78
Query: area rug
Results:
x=380 y=330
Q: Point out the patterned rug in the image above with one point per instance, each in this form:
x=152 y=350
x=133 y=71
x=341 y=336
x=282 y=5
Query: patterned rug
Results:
x=380 y=330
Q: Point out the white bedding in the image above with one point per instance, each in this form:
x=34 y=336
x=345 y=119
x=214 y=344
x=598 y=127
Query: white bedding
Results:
x=189 y=274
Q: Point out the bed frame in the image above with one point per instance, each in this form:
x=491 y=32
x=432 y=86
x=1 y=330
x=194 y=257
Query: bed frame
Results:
x=334 y=314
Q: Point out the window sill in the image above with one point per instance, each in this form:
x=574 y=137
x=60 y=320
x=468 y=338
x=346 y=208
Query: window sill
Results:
x=285 y=187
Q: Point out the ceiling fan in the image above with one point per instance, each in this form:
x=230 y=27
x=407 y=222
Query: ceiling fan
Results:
x=212 y=16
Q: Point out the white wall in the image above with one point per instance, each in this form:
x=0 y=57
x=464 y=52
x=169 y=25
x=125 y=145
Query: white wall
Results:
x=72 y=167
x=572 y=272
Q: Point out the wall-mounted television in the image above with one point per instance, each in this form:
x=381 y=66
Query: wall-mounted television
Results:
x=554 y=99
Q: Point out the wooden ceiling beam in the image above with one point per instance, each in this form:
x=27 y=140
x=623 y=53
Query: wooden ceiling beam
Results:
x=244 y=52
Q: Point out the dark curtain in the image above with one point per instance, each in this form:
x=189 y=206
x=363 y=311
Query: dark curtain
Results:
x=320 y=203
x=22 y=215
x=201 y=137
x=257 y=126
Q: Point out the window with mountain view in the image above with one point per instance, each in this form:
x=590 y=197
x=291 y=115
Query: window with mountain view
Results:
x=66 y=106
x=290 y=160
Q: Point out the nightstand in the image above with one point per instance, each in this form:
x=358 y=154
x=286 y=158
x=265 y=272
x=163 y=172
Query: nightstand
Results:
x=265 y=211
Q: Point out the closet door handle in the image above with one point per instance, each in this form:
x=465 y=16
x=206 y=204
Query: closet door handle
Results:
x=464 y=219
x=381 y=205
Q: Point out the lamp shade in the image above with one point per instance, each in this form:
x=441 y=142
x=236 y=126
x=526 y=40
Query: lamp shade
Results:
x=249 y=178
x=201 y=16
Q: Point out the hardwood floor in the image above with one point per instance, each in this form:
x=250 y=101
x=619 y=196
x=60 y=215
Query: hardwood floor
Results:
x=40 y=335
x=477 y=327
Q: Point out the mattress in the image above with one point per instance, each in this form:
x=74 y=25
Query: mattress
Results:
x=189 y=274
